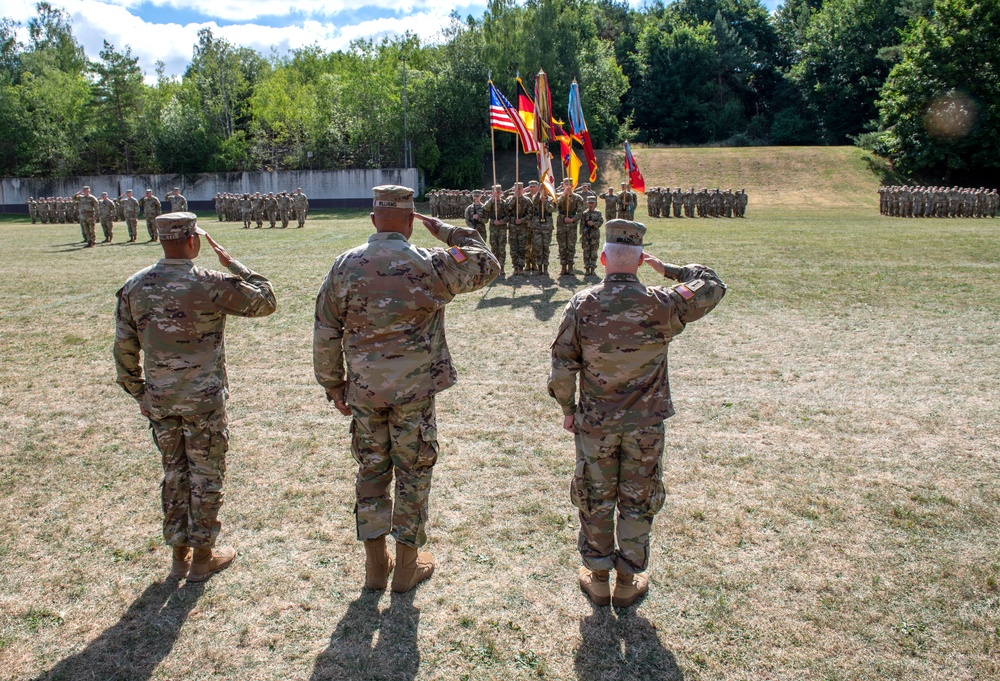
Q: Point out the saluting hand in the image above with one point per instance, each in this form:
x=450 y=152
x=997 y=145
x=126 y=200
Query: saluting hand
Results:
x=224 y=258
x=655 y=263
x=433 y=225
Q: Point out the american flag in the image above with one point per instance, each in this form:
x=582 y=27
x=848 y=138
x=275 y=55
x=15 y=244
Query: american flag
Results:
x=503 y=117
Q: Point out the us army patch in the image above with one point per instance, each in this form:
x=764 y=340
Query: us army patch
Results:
x=457 y=254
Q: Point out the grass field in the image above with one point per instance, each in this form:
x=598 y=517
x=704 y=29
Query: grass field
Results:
x=832 y=473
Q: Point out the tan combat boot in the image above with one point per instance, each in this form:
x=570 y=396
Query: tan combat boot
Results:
x=629 y=588
x=378 y=564
x=596 y=584
x=181 y=563
x=209 y=561
x=412 y=567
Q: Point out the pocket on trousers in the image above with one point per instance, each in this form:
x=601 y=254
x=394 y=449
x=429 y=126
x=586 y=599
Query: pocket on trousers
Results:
x=427 y=453
x=353 y=429
x=657 y=493
x=579 y=492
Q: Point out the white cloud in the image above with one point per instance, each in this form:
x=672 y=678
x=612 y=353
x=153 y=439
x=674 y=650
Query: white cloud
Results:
x=95 y=21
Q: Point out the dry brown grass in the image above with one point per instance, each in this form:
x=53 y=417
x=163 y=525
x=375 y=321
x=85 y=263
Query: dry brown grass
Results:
x=832 y=476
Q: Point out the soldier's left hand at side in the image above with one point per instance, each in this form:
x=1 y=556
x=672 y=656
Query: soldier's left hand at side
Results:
x=568 y=421
x=342 y=407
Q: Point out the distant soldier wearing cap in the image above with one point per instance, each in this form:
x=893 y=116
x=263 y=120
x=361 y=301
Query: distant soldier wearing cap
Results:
x=271 y=208
x=284 y=209
x=300 y=204
x=177 y=202
x=87 y=206
x=174 y=314
x=613 y=342
x=219 y=203
x=498 y=218
x=610 y=203
x=380 y=353
x=475 y=214
x=130 y=212
x=541 y=228
x=32 y=209
x=150 y=209
x=590 y=235
x=571 y=206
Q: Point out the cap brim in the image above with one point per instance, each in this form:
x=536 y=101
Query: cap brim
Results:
x=199 y=230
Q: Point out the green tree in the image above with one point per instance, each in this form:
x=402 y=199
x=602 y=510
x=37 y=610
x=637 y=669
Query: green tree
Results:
x=940 y=107
x=118 y=100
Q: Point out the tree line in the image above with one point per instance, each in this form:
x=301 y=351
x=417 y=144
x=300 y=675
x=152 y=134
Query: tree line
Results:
x=914 y=80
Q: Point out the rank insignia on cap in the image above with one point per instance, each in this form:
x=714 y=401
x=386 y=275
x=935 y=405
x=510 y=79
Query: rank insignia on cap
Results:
x=457 y=254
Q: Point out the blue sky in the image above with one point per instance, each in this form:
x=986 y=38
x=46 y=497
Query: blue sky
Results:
x=166 y=30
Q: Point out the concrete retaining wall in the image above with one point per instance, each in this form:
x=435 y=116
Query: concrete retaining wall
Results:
x=325 y=188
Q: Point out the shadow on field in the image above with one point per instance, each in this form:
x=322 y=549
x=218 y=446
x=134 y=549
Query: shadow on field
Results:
x=508 y=293
x=142 y=638
x=601 y=656
x=350 y=654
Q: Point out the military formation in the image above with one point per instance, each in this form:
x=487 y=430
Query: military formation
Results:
x=664 y=202
x=938 y=202
x=381 y=356
x=254 y=209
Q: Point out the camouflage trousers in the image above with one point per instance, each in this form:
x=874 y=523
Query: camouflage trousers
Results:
x=151 y=228
x=498 y=243
x=541 y=238
x=590 y=244
x=133 y=226
x=566 y=240
x=272 y=215
x=401 y=442
x=519 y=237
x=87 y=227
x=300 y=215
x=617 y=470
x=107 y=226
x=193 y=449
x=285 y=215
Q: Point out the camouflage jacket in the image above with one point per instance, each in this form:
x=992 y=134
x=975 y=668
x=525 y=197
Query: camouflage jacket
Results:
x=544 y=207
x=593 y=217
x=150 y=206
x=130 y=207
x=300 y=201
x=174 y=313
x=571 y=207
x=519 y=206
x=380 y=312
x=614 y=336
x=475 y=216
x=177 y=203
x=87 y=205
x=500 y=212
x=105 y=208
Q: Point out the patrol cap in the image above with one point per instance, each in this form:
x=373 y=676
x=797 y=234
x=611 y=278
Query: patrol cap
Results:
x=477 y=192
x=497 y=188
x=533 y=183
x=392 y=196
x=177 y=226
x=591 y=199
x=87 y=187
x=624 y=232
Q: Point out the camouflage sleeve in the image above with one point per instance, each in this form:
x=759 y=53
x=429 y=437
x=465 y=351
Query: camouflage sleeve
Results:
x=469 y=222
x=567 y=360
x=598 y=218
x=126 y=350
x=469 y=264
x=328 y=349
x=247 y=294
x=698 y=293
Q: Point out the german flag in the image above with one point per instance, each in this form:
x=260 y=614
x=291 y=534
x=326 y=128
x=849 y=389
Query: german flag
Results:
x=525 y=106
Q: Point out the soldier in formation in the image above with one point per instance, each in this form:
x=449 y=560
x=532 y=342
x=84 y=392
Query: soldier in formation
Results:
x=151 y=208
x=612 y=343
x=571 y=207
x=498 y=219
x=476 y=216
x=169 y=354
x=380 y=354
x=938 y=202
x=590 y=235
x=705 y=203
x=88 y=208
x=300 y=207
x=129 y=207
x=106 y=213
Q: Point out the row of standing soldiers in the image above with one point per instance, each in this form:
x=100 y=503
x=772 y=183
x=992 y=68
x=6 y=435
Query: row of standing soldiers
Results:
x=524 y=220
x=247 y=208
x=87 y=209
x=703 y=203
x=938 y=202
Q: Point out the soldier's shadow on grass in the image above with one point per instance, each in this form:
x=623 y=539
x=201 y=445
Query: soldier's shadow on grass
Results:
x=517 y=293
x=142 y=638
x=622 y=645
x=351 y=655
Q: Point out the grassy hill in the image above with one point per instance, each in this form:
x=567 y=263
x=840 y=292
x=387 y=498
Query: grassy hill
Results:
x=793 y=177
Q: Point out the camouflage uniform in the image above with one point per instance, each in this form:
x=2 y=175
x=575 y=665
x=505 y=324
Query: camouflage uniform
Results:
x=610 y=204
x=257 y=209
x=571 y=207
x=246 y=210
x=88 y=206
x=382 y=350
x=541 y=230
x=181 y=384
x=496 y=213
x=613 y=339
x=130 y=211
x=475 y=218
x=150 y=209
x=177 y=202
x=32 y=209
x=300 y=204
x=741 y=203
x=590 y=238
x=284 y=209
x=519 y=208
x=271 y=208
x=220 y=205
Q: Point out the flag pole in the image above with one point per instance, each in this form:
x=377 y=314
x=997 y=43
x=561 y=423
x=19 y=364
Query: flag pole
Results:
x=517 y=151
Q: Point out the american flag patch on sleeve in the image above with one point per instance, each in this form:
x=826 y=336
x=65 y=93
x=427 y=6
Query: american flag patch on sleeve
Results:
x=685 y=292
x=457 y=254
